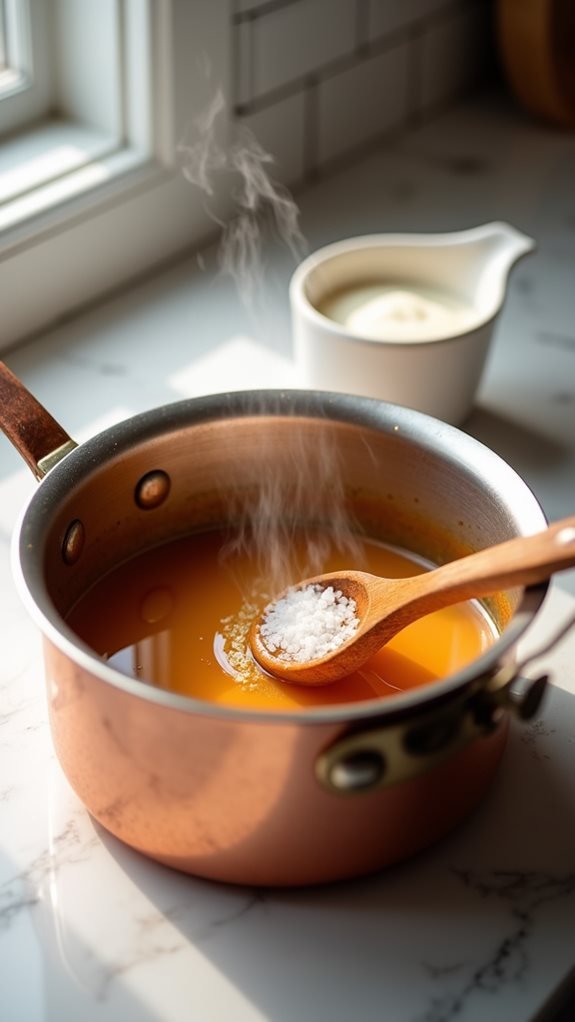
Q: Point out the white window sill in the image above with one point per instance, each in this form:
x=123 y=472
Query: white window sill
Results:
x=59 y=163
x=53 y=149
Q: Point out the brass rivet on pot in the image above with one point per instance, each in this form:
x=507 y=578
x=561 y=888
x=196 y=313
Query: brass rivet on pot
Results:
x=358 y=771
x=152 y=489
x=73 y=542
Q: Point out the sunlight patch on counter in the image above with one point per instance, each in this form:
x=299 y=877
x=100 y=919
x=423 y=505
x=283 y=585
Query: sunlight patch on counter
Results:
x=237 y=364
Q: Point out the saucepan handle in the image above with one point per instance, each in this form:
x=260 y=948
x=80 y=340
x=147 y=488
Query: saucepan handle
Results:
x=378 y=757
x=34 y=432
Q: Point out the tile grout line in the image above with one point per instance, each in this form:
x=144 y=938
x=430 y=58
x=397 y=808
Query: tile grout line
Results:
x=263 y=10
x=362 y=19
x=311 y=128
x=414 y=78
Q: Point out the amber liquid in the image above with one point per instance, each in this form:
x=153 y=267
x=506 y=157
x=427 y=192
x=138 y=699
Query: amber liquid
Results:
x=178 y=617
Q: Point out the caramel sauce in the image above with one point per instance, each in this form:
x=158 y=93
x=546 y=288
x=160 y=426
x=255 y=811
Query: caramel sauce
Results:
x=178 y=617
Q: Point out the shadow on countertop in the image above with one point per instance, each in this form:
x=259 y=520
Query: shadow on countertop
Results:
x=520 y=445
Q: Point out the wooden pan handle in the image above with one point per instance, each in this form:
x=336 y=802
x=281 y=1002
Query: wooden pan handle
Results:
x=35 y=434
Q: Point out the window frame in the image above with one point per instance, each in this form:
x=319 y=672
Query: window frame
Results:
x=144 y=211
x=88 y=124
x=25 y=82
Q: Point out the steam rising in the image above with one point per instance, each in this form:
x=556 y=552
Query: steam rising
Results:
x=299 y=482
x=259 y=202
x=299 y=491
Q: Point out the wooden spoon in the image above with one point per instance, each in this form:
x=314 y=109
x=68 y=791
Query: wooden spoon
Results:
x=386 y=605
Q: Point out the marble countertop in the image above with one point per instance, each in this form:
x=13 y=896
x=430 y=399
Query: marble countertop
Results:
x=482 y=926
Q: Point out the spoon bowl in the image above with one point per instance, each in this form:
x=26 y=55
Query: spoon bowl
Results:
x=384 y=606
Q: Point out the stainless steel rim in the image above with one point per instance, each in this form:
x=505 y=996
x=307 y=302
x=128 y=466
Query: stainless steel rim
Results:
x=428 y=432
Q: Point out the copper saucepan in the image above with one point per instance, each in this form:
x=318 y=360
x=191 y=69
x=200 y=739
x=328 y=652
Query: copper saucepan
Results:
x=255 y=797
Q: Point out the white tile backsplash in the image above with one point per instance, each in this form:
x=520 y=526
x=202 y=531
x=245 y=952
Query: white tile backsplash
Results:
x=293 y=41
x=361 y=103
x=316 y=79
x=387 y=16
x=280 y=129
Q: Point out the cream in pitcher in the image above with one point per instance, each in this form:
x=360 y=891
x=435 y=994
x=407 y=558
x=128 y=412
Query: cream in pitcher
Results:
x=388 y=312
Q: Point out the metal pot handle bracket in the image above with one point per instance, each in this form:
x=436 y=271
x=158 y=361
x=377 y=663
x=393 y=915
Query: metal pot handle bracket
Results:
x=381 y=757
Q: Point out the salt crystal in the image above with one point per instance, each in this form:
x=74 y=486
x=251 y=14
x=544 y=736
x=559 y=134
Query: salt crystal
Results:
x=308 y=623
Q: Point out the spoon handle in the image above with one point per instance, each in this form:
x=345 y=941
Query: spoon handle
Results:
x=522 y=561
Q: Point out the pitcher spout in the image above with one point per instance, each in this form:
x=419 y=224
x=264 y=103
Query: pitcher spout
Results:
x=499 y=247
x=507 y=240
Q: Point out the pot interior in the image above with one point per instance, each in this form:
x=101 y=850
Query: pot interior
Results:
x=266 y=463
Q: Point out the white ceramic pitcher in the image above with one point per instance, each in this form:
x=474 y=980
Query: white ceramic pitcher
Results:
x=439 y=374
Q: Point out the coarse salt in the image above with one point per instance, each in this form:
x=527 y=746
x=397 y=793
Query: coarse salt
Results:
x=308 y=623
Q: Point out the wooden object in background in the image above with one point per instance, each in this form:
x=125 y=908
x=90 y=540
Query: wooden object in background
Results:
x=537 y=46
